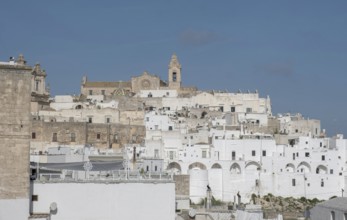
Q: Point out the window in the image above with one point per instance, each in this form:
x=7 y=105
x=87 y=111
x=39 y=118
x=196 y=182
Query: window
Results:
x=323 y=157
x=248 y=110
x=90 y=120
x=232 y=109
x=33 y=135
x=170 y=128
x=322 y=183
x=98 y=136
x=331 y=171
x=296 y=130
x=90 y=92
x=73 y=137
x=147 y=118
x=293 y=182
x=203 y=154
x=34 y=198
x=307 y=154
x=253 y=153
x=108 y=120
x=174 y=76
x=37 y=83
x=256 y=182
x=264 y=153
x=147 y=168
x=293 y=156
x=233 y=155
x=171 y=155
x=156 y=153
x=55 y=137
x=155 y=168
x=221 y=108
x=102 y=92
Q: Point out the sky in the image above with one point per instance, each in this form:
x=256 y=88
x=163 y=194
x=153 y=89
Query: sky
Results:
x=293 y=51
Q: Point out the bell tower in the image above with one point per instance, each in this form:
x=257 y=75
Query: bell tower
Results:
x=174 y=73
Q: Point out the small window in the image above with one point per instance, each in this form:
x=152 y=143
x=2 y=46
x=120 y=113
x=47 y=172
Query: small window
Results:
x=98 y=136
x=155 y=168
x=147 y=168
x=90 y=120
x=90 y=92
x=331 y=171
x=293 y=182
x=55 y=137
x=156 y=153
x=37 y=85
x=232 y=109
x=174 y=76
x=170 y=128
x=296 y=130
x=253 y=153
x=191 y=137
x=307 y=154
x=34 y=198
x=322 y=183
x=203 y=154
x=323 y=157
x=264 y=153
x=108 y=120
x=233 y=155
x=73 y=137
x=248 y=110
x=33 y=135
x=171 y=155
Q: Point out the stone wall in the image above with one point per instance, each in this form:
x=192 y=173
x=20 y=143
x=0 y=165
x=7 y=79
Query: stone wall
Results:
x=81 y=133
x=15 y=88
x=182 y=185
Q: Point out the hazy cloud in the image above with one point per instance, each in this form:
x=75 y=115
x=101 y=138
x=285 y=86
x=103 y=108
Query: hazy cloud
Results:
x=197 y=38
x=276 y=69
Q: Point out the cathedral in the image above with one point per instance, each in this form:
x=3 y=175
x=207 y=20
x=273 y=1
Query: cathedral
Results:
x=145 y=81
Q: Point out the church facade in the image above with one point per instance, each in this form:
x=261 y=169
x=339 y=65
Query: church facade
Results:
x=145 y=81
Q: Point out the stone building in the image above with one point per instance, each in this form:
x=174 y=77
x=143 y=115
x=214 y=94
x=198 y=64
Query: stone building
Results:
x=83 y=133
x=145 y=81
x=15 y=87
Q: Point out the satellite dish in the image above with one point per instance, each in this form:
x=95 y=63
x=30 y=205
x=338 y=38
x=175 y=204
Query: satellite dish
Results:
x=53 y=207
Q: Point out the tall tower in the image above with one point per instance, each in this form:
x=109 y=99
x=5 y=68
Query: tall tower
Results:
x=174 y=73
x=15 y=127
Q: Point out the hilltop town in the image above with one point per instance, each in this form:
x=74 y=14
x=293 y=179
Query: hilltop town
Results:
x=195 y=144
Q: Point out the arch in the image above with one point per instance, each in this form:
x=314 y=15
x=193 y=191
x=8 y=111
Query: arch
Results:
x=197 y=165
x=235 y=168
x=252 y=166
x=79 y=106
x=290 y=168
x=216 y=166
x=321 y=169
x=304 y=167
x=175 y=167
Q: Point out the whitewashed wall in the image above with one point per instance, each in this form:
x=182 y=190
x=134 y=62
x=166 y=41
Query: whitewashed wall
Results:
x=126 y=201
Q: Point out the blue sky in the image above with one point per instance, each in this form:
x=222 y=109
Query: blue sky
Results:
x=294 y=51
